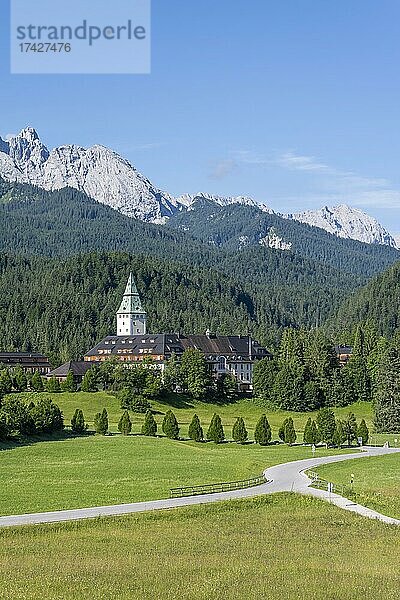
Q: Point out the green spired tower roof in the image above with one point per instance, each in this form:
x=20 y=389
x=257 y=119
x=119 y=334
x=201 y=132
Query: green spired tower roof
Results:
x=131 y=302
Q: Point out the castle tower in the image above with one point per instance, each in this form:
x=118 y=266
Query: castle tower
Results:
x=131 y=318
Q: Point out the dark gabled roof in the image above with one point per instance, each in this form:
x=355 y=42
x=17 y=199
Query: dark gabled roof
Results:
x=22 y=355
x=344 y=349
x=226 y=345
x=166 y=343
x=78 y=368
x=26 y=359
x=153 y=344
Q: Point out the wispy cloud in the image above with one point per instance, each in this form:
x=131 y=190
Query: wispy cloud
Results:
x=337 y=185
x=223 y=168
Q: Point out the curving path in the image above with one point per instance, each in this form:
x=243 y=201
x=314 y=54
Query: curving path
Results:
x=286 y=477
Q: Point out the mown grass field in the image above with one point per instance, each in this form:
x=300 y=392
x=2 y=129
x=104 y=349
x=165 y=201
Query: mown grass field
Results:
x=184 y=410
x=376 y=481
x=282 y=547
x=97 y=470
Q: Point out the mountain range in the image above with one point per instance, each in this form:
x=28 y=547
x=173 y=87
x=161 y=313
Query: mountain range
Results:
x=105 y=176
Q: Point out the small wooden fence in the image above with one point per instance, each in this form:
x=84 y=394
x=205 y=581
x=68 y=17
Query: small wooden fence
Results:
x=213 y=488
x=336 y=488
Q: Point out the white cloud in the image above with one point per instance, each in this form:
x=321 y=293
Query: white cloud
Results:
x=334 y=184
x=223 y=168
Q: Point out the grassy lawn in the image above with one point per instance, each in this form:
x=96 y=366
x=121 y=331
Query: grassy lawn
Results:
x=282 y=547
x=184 y=410
x=376 y=481
x=97 y=470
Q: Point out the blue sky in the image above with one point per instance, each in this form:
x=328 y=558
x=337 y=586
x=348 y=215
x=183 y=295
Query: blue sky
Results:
x=293 y=102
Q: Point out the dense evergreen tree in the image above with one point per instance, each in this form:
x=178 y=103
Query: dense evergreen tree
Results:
x=350 y=428
x=196 y=430
x=326 y=425
x=37 y=382
x=90 y=381
x=340 y=436
x=290 y=432
x=53 y=385
x=125 y=423
x=262 y=432
x=5 y=382
x=239 y=431
x=69 y=385
x=215 y=431
x=78 y=424
x=357 y=372
x=20 y=381
x=311 y=435
x=363 y=432
x=170 y=425
x=387 y=392
x=101 y=422
x=281 y=430
x=149 y=426
x=264 y=374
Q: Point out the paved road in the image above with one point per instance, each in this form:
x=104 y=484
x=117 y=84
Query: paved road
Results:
x=282 y=478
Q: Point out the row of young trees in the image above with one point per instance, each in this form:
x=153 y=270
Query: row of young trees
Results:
x=19 y=416
x=325 y=429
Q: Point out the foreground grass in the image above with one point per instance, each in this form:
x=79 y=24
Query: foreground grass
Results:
x=97 y=470
x=376 y=481
x=281 y=547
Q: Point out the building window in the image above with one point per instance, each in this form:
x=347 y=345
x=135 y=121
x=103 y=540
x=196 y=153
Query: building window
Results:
x=222 y=363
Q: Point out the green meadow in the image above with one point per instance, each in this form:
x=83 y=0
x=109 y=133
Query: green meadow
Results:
x=376 y=481
x=275 y=547
x=99 y=470
x=184 y=408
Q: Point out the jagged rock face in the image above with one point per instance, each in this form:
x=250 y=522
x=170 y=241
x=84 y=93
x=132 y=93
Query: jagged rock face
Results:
x=188 y=200
x=99 y=172
x=110 y=179
x=347 y=222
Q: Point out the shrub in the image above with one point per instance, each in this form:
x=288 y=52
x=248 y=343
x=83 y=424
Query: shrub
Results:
x=215 y=432
x=262 y=433
x=78 y=424
x=37 y=382
x=326 y=425
x=149 y=426
x=239 y=431
x=101 y=422
x=53 y=385
x=69 y=385
x=170 y=425
x=132 y=401
x=196 y=430
x=47 y=416
x=125 y=424
x=363 y=432
x=290 y=432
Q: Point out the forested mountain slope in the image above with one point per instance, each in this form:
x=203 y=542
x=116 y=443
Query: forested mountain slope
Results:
x=187 y=283
x=236 y=227
x=378 y=303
